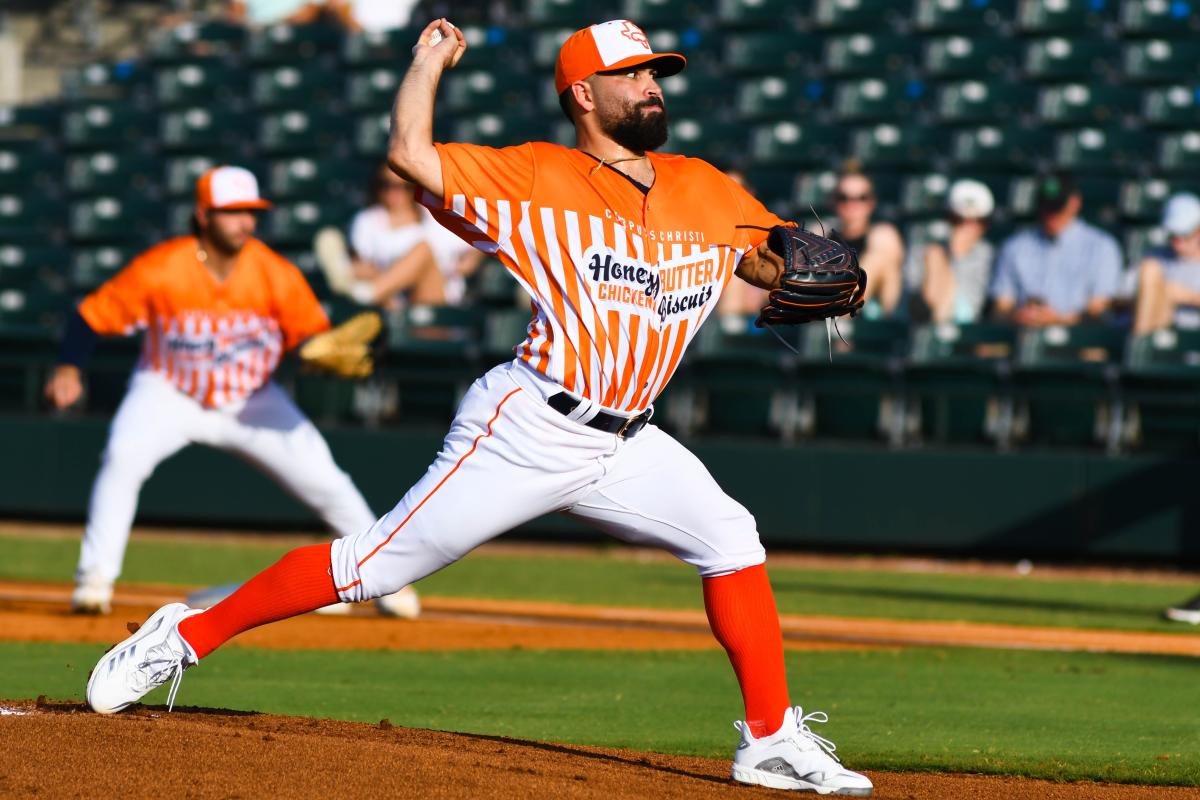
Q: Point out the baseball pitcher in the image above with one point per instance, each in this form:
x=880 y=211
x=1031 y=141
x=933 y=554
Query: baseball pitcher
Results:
x=218 y=311
x=624 y=252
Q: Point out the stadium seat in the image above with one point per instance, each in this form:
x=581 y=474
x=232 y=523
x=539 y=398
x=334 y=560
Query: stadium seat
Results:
x=959 y=56
x=1142 y=200
x=112 y=171
x=180 y=172
x=875 y=55
x=1179 y=153
x=1086 y=104
x=853 y=15
x=30 y=218
x=877 y=99
x=31 y=122
x=558 y=13
x=888 y=146
x=1101 y=197
x=91 y=266
x=294 y=44
x=1061 y=58
x=956 y=383
x=769 y=52
x=814 y=192
x=379 y=49
x=26 y=166
x=499 y=129
x=1176 y=106
x=1064 y=385
x=371 y=133
x=980 y=101
x=1171 y=20
x=493 y=287
x=1162 y=60
x=795 y=145
x=122 y=80
x=1071 y=17
x=993 y=149
x=1103 y=150
x=24 y=264
x=771 y=97
x=1139 y=240
x=373 y=89
x=703 y=48
x=479 y=91
x=503 y=330
x=694 y=92
x=651 y=14
x=319 y=179
x=432 y=354
x=308 y=86
x=211 y=82
x=103 y=125
x=192 y=39
x=1160 y=387
x=115 y=219
x=294 y=224
x=755 y=13
x=203 y=129
x=975 y=17
x=299 y=130
x=774 y=187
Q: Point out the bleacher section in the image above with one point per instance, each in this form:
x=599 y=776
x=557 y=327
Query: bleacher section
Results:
x=919 y=92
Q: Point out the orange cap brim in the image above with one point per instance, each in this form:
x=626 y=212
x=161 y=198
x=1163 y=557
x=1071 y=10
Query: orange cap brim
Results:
x=249 y=205
x=667 y=63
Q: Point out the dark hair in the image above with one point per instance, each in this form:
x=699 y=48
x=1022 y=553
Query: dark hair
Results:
x=565 y=100
x=375 y=183
x=194 y=225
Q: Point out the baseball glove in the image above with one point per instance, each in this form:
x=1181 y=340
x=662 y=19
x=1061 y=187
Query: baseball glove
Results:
x=344 y=350
x=820 y=277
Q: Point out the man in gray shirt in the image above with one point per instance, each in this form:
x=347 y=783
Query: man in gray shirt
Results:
x=1061 y=272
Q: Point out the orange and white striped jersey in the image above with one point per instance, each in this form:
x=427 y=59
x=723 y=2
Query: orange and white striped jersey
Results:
x=216 y=341
x=620 y=280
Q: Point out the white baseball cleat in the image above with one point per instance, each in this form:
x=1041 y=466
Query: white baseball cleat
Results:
x=796 y=758
x=92 y=595
x=404 y=604
x=153 y=655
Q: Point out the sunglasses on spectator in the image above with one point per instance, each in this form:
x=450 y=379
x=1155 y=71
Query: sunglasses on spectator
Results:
x=842 y=197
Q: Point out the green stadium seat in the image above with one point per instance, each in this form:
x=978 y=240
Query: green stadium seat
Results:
x=503 y=330
x=768 y=98
x=794 y=144
x=30 y=218
x=478 y=91
x=651 y=14
x=24 y=264
x=887 y=146
x=959 y=56
x=856 y=15
x=1162 y=60
x=191 y=39
x=1101 y=196
x=774 y=187
x=1086 y=104
x=500 y=129
x=373 y=89
x=1179 y=153
x=955 y=383
x=31 y=122
x=877 y=99
x=1100 y=150
x=1064 y=385
x=294 y=224
x=544 y=48
x=558 y=13
x=180 y=172
x=379 y=49
x=1142 y=199
x=433 y=355
x=1176 y=106
x=1060 y=58
x=113 y=171
x=1139 y=240
x=32 y=307
x=814 y=191
x=1171 y=20
x=769 y=52
x=295 y=87
x=874 y=55
x=203 y=129
x=26 y=166
x=703 y=48
x=855 y=392
x=993 y=149
x=95 y=126
x=977 y=101
x=371 y=132
x=492 y=286
x=91 y=266
x=924 y=195
x=972 y=18
x=695 y=92
x=756 y=13
x=111 y=218
x=1072 y=17
x=299 y=130
x=1160 y=387
x=122 y=80
x=304 y=178
x=498 y=48
x=211 y=82
x=294 y=44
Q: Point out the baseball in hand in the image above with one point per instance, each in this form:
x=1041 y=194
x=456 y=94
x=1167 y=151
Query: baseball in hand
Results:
x=434 y=38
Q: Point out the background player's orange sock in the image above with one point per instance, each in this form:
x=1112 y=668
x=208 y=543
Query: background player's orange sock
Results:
x=741 y=611
x=297 y=583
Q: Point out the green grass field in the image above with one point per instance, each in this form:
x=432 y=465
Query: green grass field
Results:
x=609 y=578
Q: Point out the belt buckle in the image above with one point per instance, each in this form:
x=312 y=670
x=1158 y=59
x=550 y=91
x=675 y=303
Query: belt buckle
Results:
x=625 y=425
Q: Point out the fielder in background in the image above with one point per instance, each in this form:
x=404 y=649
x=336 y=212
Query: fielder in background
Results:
x=625 y=253
x=219 y=310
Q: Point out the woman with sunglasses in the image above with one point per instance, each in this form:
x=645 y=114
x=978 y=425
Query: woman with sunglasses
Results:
x=879 y=245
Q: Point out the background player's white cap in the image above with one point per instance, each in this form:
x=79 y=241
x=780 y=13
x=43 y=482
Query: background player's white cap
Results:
x=228 y=189
x=970 y=199
x=1181 y=215
x=616 y=44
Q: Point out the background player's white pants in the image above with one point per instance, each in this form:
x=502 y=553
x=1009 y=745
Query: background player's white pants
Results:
x=509 y=458
x=155 y=421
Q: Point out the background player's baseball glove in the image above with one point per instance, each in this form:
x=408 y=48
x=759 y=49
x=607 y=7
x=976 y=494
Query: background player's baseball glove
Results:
x=344 y=350
x=820 y=278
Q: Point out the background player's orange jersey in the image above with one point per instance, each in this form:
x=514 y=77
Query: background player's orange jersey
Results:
x=216 y=341
x=620 y=281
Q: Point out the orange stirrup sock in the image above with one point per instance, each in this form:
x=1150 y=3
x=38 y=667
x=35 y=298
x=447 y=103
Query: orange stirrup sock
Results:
x=297 y=583
x=741 y=611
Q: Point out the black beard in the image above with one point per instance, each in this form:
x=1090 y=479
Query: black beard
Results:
x=636 y=131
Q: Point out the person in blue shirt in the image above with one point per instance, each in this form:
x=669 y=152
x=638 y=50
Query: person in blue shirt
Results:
x=1060 y=272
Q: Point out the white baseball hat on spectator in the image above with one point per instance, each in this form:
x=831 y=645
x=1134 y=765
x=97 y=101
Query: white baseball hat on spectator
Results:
x=1181 y=215
x=970 y=199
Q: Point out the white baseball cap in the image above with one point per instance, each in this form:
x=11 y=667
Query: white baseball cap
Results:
x=1181 y=214
x=970 y=199
x=229 y=189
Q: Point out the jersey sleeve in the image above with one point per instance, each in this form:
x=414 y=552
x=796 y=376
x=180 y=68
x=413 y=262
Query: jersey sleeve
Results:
x=483 y=189
x=296 y=307
x=121 y=305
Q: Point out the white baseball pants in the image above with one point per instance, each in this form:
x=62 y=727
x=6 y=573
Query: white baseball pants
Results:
x=155 y=421
x=509 y=458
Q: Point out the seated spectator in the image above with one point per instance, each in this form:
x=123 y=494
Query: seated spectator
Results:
x=398 y=248
x=740 y=298
x=258 y=13
x=373 y=16
x=879 y=245
x=1061 y=272
x=1169 y=281
x=957 y=272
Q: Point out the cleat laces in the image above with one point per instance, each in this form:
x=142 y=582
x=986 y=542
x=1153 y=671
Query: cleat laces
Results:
x=162 y=663
x=804 y=737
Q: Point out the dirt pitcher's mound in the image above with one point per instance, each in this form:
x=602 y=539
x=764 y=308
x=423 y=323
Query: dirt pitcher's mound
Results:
x=60 y=750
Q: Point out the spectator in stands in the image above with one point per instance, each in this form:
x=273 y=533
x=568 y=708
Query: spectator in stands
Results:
x=272 y=12
x=373 y=16
x=879 y=245
x=398 y=248
x=1169 y=280
x=1062 y=271
x=957 y=272
x=739 y=297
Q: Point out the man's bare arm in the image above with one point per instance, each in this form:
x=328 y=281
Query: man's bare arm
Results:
x=411 y=153
x=761 y=267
